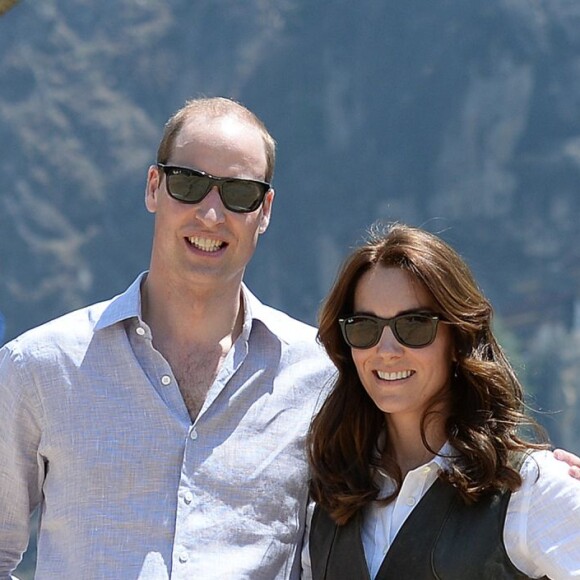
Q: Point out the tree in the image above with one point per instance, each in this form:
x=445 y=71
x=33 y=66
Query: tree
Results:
x=5 y=5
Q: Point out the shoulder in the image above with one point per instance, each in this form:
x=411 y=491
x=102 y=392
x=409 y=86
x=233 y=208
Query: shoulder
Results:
x=73 y=332
x=546 y=486
x=67 y=333
x=542 y=529
x=297 y=340
x=302 y=358
x=286 y=328
x=543 y=470
x=38 y=358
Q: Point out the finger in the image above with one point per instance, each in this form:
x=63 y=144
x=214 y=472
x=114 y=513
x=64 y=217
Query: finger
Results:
x=566 y=456
x=560 y=454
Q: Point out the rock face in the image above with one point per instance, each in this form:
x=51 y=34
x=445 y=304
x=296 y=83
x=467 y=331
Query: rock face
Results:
x=458 y=116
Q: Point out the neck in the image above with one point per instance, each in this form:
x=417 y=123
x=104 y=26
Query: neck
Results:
x=190 y=314
x=407 y=445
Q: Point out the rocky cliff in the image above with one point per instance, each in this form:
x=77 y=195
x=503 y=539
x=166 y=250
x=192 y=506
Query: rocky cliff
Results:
x=458 y=116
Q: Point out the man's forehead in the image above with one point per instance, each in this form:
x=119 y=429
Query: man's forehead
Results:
x=205 y=139
x=225 y=126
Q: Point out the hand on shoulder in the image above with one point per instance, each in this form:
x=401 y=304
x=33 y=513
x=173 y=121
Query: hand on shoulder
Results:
x=572 y=460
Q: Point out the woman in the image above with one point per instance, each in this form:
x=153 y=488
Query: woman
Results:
x=420 y=466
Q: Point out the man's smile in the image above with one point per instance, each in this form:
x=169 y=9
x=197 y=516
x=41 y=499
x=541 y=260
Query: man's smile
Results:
x=206 y=244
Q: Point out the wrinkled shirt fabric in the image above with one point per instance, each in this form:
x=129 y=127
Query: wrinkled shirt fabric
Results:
x=95 y=432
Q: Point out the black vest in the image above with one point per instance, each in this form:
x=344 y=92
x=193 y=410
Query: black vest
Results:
x=443 y=538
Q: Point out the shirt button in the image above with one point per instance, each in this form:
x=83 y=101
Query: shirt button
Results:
x=411 y=501
x=188 y=497
x=165 y=380
x=140 y=331
x=183 y=557
x=426 y=469
x=193 y=434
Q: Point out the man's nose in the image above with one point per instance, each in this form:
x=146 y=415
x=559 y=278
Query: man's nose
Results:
x=211 y=209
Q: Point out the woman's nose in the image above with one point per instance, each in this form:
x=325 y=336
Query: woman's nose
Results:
x=388 y=344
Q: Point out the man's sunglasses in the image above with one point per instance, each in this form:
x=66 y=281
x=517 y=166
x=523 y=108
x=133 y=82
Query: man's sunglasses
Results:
x=414 y=330
x=191 y=186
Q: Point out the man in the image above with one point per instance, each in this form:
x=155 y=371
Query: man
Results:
x=162 y=432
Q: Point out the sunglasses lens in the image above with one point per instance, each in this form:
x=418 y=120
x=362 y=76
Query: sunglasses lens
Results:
x=361 y=332
x=242 y=196
x=415 y=330
x=412 y=330
x=187 y=187
x=191 y=186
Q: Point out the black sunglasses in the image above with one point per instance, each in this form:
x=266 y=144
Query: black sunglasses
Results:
x=415 y=330
x=191 y=186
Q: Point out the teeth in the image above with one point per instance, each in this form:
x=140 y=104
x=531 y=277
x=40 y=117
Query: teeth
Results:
x=206 y=244
x=394 y=376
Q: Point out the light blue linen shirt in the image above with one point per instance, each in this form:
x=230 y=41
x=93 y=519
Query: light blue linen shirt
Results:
x=93 y=429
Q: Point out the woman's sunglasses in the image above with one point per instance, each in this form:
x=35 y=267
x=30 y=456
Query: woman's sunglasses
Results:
x=414 y=330
x=191 y=186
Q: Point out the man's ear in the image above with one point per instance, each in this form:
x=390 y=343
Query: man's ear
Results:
x=152 y=188
x=266 y=211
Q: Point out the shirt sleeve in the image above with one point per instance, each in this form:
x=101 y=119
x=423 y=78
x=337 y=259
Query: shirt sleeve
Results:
x=306 y=573
x=542 y=530
x=21 y=472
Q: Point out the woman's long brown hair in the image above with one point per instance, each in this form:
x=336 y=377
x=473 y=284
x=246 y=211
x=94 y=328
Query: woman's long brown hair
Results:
x=487 y=407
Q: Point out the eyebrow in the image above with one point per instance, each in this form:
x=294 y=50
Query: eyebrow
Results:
x=419 y=310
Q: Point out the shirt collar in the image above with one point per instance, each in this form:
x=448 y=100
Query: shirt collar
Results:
x=247 y=300
x=128 y=305
x=124 y=306
x=446 y=455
